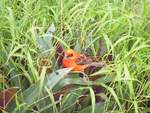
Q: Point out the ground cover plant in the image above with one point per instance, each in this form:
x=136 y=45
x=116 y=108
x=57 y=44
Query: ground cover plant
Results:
x=34 y=38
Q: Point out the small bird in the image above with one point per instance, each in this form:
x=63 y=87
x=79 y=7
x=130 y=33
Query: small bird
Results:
x=79 y=62
x=71 y=59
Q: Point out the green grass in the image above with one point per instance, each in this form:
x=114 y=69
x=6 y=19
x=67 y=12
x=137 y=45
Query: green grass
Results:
x=122 y=25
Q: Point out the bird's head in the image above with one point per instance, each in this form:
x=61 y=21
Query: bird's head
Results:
x=69 y=54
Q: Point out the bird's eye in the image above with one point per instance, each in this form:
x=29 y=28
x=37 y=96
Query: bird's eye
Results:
x=70 y=55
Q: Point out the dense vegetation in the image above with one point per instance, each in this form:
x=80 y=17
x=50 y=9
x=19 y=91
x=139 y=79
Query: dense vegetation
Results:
x=29 y=68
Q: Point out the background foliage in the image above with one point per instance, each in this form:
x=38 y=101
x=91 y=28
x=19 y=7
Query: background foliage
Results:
x=122 y=25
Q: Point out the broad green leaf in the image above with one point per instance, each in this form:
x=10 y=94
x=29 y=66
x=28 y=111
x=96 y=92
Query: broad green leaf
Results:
x=51 y=29
x=50 y=94
x=99 y=108
x=31 y=94
x=56 y=76
x=45 y=42
x=82 y=82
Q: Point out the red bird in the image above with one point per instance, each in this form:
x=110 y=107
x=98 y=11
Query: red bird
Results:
x=71 y=59
x=79 y=62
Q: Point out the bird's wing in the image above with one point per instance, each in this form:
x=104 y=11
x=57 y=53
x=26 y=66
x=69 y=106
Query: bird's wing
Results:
x=82 y=60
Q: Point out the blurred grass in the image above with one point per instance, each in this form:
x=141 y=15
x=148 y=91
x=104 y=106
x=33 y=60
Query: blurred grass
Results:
x=123 y=26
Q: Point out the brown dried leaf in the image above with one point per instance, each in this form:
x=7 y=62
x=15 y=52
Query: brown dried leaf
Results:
x=97 y=64
x=59 y=55
x=6 y=96
x=63 y=90
x=94 y=66
x=44 y=61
